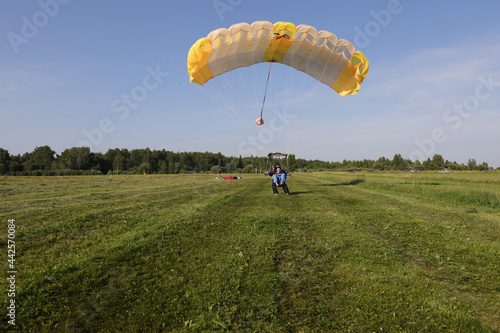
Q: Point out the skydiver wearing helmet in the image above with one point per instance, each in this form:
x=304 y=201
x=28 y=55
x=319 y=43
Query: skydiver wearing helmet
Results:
x=278 y=178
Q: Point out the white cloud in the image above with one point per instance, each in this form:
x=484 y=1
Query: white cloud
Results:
x=29 y=78
x=9 y=88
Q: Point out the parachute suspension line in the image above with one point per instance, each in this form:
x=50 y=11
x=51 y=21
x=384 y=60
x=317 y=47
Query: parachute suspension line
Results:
x=256 y=90
x=248 y=98
x=256 y=78
x=225 y=101
x=222 y=105
x=265 y=92
x=240 y=116
x=244 y=93
x=261 y=130
x=239 y=76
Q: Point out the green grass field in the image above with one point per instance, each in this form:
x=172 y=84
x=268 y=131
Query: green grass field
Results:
x=346 y=252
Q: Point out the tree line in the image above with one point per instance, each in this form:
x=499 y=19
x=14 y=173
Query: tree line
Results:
x=81 y=161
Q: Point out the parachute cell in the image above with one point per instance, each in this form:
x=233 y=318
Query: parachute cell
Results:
x=322 y=55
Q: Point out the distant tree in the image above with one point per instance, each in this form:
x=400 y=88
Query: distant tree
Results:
x=76 y=158
x=292 y=163
x=383 y=163
x=186 y=161
x=378 y=166
x=438 y=161
x=249 y=168
x=135 y=157
x=240 y=163
x=453 y=165
x=162 y=167
x=482 y=166
x=368 y=164
x=4 y=161
x=16 y=164
x=101 y=163
x=203 y=161
x=221 y=159
x=232 y=166
x=417 y=164
x=214 y=168
x=427 y=164
x=146 y=155
x=229 y=167
x=41 y=158
x=54 y=165
x=157 y=157
x=399 y=163
x=139 y=156
x=144 y=167
x=110 y=155
x=170 y=162
x=119 y=163
x=471 y=163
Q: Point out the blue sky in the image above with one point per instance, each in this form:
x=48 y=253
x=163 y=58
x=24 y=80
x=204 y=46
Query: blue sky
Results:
x=68 y=70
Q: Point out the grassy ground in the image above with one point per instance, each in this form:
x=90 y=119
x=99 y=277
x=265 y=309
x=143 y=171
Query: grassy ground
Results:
x=347 y=252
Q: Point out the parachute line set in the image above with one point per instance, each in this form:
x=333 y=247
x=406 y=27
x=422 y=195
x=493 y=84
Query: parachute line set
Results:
x=320 y=54
x=259 y=120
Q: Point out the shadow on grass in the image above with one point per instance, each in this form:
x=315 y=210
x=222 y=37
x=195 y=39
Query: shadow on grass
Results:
x=408 y=183
x=352 y=182
x=300 y=192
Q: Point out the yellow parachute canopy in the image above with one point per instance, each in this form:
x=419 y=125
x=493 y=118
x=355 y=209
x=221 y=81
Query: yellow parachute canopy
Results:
x=332 y=61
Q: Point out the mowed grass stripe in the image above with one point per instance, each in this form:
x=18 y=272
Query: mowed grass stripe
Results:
x=356 y=276
x=123 y=237
x=187 y=236
x=441 y=235
x=438 y=254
